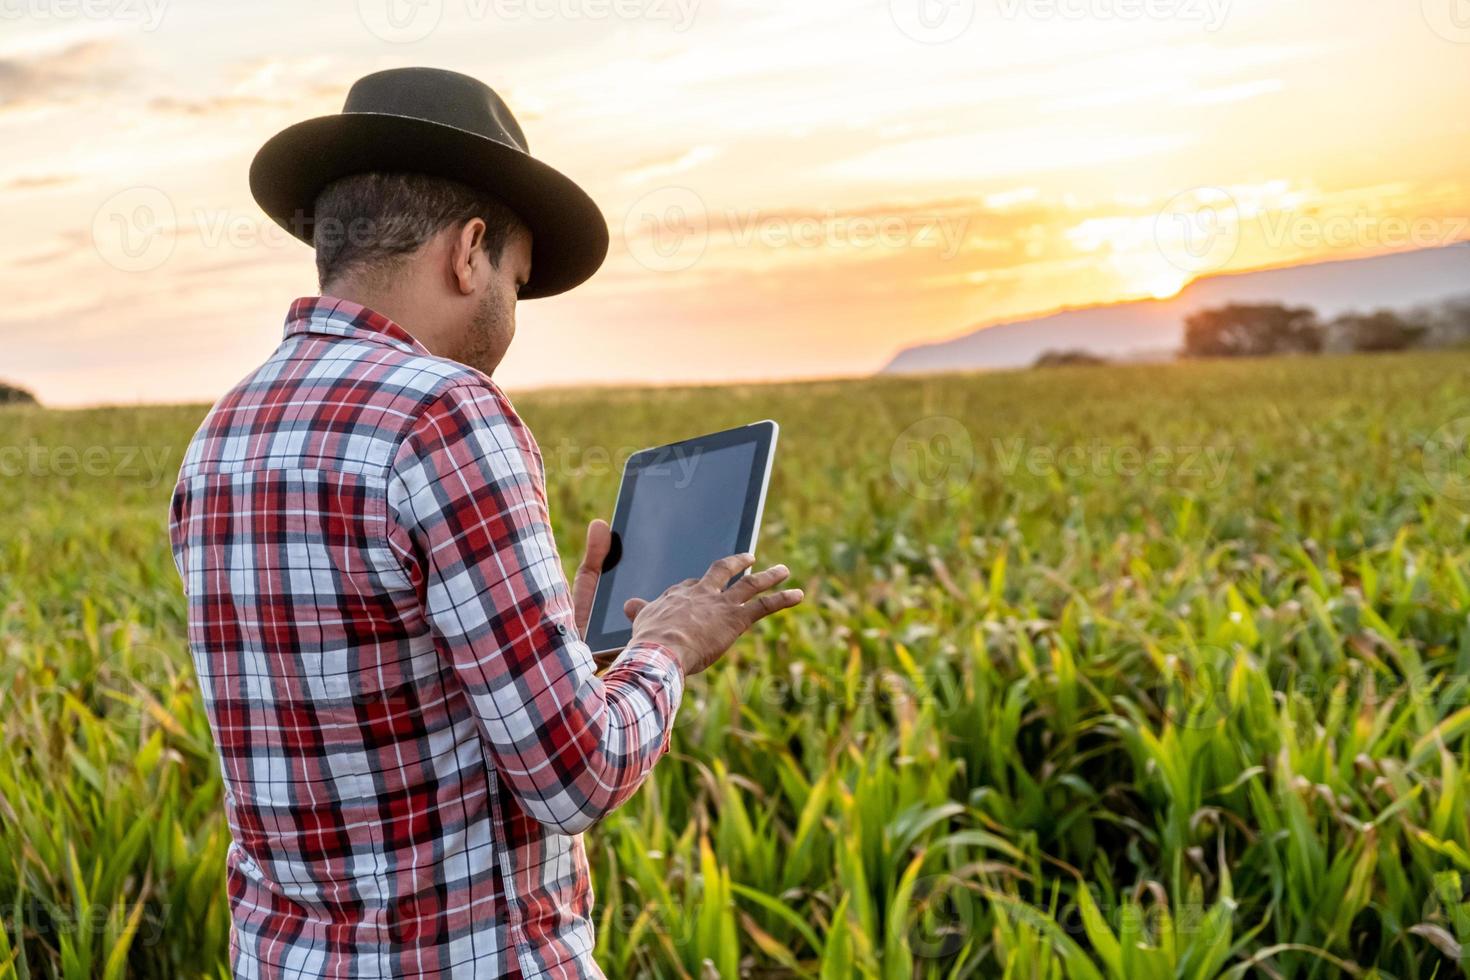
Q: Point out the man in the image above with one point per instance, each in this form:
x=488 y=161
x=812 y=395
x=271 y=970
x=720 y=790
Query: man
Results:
x=411 y=731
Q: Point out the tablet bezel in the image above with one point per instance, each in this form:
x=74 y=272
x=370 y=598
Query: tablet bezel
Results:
x=763 y=434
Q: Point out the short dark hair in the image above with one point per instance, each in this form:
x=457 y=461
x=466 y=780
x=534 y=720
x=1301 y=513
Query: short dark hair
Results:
x=366 y=222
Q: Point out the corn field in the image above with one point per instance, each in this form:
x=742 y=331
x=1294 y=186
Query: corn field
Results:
x=1121 y=672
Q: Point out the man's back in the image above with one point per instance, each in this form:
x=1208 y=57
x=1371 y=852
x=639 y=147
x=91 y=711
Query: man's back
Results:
x=410 y=730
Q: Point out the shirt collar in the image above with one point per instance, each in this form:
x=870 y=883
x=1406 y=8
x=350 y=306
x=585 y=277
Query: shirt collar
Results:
x=343 y=318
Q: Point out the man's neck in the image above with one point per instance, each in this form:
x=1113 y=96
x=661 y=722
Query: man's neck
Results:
x=396 y=306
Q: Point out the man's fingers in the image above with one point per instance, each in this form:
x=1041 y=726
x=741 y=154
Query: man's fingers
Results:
x=584 y=585
x=599 y=542
x=772 y=602
x=725 y=569
x=633 y=607
x=759 y=582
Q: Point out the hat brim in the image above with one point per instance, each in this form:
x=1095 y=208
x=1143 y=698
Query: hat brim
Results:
x=569 y=236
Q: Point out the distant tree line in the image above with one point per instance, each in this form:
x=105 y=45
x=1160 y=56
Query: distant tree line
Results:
x=1072 y=357
x=14 y=395
x=1260 y=329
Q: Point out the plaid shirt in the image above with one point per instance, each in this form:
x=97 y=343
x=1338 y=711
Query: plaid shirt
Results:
x=411 y=732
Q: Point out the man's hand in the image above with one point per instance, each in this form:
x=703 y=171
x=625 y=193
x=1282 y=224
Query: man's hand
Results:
x=584 y=585
x=699 y=619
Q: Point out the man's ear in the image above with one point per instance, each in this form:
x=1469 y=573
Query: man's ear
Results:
x=466 y=253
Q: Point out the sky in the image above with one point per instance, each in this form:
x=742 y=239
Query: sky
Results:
x=793 y=189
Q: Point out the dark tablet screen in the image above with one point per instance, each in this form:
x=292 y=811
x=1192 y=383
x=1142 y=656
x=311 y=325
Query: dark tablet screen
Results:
x=680 y=507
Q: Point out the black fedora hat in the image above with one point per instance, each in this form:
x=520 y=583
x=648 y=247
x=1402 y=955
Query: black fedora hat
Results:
x=442 y=124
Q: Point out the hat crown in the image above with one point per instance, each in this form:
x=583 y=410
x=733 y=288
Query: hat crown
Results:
x=440 y=96
x=441 y=124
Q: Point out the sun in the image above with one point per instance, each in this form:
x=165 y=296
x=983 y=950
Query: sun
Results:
x=1165 y=284
x=1147 y=273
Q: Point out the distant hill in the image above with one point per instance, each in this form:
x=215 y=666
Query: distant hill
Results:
x=1150 y=329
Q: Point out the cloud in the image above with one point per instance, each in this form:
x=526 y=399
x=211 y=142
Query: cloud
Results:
x=669 y=167
x=40 y=259
x=211 y=106
x=266 y=85
x=58 y=76
x=31 y=182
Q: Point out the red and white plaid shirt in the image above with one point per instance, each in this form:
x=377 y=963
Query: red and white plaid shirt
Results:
x=411 y=731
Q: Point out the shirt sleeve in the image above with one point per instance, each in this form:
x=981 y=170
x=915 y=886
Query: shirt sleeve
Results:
x=468 y=517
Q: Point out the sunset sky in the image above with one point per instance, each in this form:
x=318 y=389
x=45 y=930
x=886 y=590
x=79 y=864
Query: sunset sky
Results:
x=793 y=188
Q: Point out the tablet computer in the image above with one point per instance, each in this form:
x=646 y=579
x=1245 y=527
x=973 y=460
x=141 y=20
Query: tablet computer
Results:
x=680 y=507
